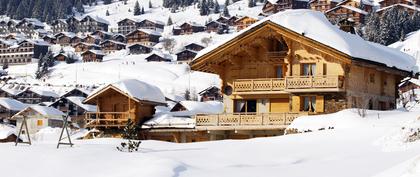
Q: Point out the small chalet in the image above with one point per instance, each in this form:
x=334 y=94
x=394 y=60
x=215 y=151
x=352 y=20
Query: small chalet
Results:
x=83 y=47
x=126 y=26
x=9 y=107
x=38 y=117
x=120 y=38
x=64 y=38
x=49 y=39
x=149 y=24
x=211 y=94
x=323 y=5
x=110 y=46
x=102 y=34
x=185 y=56
x=244 y=22
x=12 y=90
x=143 y=36
x=77 y=92
x=159 y=57
x=356 y=10
x=189 y=28
x=75 y=39
x=409 y=84
x=387 y=3
x=217 y=27
x=36 y=95
x=136 y=49
x=274 y=6
x=59 y=25
x=93 y=56
x=92 y=39
x=123 y=100
x=410 y=9
x=74 y=107
x=231 y=21
x=60 y=57
x=194 y=46
x=223 y=20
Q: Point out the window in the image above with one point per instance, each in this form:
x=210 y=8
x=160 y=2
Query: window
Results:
x=308 y=69
x=279 y=71
x=309 y=103
x=372 y=78
x=39 y=123
x=246 y=106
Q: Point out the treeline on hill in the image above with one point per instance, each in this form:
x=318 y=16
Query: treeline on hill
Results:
x=391 y=26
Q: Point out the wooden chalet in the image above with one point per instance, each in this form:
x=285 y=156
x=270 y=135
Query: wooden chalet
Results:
x=272 y=73
x=387 y=3
x=158 y=57
x=185 y=56
x=60 y=57
x=149 y=24
x=59 y=25
x=93 y=56
x=92 y=39
x=119 y=38
x=39 y=117
x=189 y=28
x=244 y=22
x=409 y=85
x=356 y=10
x=217 y=27
x=403 y=7
x=232 y=20
x=223 y=20
x=126 y=26
x=194 y=46
x=323 y=5
x=92 y=23
x=64 y=38
x=211 y=94
x=136 y=49
x=118 y=102
x=75 y=39
x=274 y=6
x=83 y=47
x=77 y=92
x=110 y=46
x=36 y=95
x=102 y=34
x=143 y=36
x=74 y=107
x=9 y=107
x=49 y=39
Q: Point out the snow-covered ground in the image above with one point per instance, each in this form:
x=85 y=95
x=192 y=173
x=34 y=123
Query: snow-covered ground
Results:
x=410 y=45
x=362 y=147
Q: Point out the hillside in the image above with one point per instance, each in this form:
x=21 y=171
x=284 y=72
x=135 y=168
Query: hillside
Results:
x=411 y=45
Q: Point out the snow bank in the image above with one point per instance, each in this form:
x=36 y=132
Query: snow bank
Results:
x=6 y=131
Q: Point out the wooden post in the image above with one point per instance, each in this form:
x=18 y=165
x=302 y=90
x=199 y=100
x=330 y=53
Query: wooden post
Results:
x=24 y=123
x=65 y=126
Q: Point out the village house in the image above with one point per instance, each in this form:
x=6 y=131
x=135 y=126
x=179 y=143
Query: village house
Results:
x=244 y=22
x=73 y=107
x=29 y=27
x=121 y=101
x=38 y=117
x=9 y=107
x=274 y=6
x=217 y=27
x=93 y=56
x=185 y=56
x=143 y=36
x=159 y=57
x=64 y=38
x=136 y=49
x=92 y=23
x=21 y=52
x=273 y=73
x=323 y=5
x=386 y=3
x=83 y=47
x=194 y=46
x=150 y=24
x=212 y=93
x=50 y=39
x=189 y=28
x=126 y=26
x=409 y=85
x=356 y=10
x=119 y=38
x=110 y=46
x=60 y=57
x=92 y=39
x=35 y=95
x=59 y=25
x=102 y=34
x=403 y=7
x=77 y=92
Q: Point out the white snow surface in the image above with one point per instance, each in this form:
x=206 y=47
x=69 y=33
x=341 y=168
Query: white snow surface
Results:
x=79 y=102
x=195 y=107
x=314 y=25
x=345 y=152
x=12 y=104
x=410 y=45
x=47 y=111
x=6 y=131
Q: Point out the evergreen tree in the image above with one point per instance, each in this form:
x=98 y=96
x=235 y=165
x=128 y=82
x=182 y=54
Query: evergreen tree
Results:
x=225 y=9
x=150 y=4
x=216 y=7
x=137 y=10
x=107 y=13
x=169 y=21
x=131 y=135
x=142 y=10
x=210 y=4
x=251 y=3
x=204 y=9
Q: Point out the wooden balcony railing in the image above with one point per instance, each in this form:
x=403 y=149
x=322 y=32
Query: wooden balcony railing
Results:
x=248 y=119
x=106 y=119
x=289 y=83
x=279 y=54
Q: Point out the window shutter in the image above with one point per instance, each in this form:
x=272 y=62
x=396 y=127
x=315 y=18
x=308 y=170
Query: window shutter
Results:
x=296 y=103
x=319 y=103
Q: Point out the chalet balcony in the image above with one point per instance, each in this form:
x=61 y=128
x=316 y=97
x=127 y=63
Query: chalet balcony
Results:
x=277 y=55
x=244 y=121
x=289 y=84
x=106 y=119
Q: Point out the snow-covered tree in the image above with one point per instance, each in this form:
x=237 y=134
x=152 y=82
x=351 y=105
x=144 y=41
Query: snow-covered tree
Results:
x=150 y=4
x=169 y=21
x=216 y=7
x=107 y=13
x=137 y=9
x=225 y=9
x=204 y=9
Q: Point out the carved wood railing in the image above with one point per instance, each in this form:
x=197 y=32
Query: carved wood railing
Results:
x=288 y=83
x=279 y=54
x=106 y=119
x=247 y=119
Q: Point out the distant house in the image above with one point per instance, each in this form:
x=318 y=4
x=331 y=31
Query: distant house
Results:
x=76 y=92
x=123 y=100
x=92 y=23
x=112 y=46
x=64 y=38
x=211 y=94
x=387 y=3
x=49 y=39
x=189 y=28
x=75 y=39
x=232 y=20
x=9 y=107
x=59 y=25
x=323 y=5
x=354 y=10
x=93 y=56
x=126 y=26
x=409 y=8
x=185 y=56
x=194 y=46
x=223 y=20
x=191 y=108
x=102 y=34
x=150 y=24
x=139 y=49
x=74 y=107
x=92 y=39
x=83 y=47
x=36 y=95
x=143 y=36
x=176 y=30
x=159 y=57
x=39 y=117
x=119 y=38
x=12 y=90
x=60 y=57
x=217 y=27
x=274 y=6
x=244 y=22
x=409 y=84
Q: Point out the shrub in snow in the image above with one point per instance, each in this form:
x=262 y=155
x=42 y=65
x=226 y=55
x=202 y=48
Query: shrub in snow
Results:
x=130 y=134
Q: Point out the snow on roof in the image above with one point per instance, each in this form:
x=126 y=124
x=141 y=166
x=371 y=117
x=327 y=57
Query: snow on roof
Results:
x=97 y=18
x=6 y=131
x=14 y=89
x=402 y=5
x=79 y=102
x=96 y=52
x=12 y=104
x=349 y=8
x=165 y=120
x=414 y=81
x=161 y=54
x=136 y=89
x=147 y=31
x=318 y=28
x=410 y=45
x=115 y=42
x=44 y=92
x=44 y=111
x=195 y=107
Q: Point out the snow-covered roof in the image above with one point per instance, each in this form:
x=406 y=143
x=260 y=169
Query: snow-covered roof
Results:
x=115 y=42
x=410 y=45
x=44 y=111
x=401 y=5
x=195 y=107
x=14 y=89
x=318 y=28
x=44 y=92
x=135 y=89
x=96 y=52
x=12 y=104
x=166 y=120
x=79 y=102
